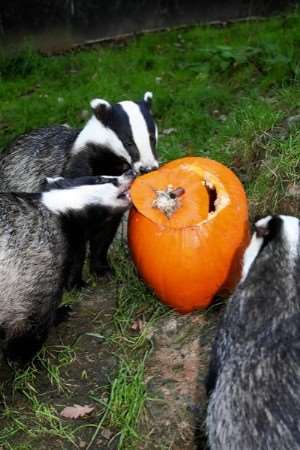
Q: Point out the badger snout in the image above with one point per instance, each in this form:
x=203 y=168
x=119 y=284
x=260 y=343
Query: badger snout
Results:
x=146 y=169
x=143 y=169
x=125 y=181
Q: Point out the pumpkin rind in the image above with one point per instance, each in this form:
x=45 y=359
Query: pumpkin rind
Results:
x=187 y=265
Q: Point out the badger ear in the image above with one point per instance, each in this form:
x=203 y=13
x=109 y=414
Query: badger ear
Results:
x=268 y=228
x=101 y=108
x=148 y=99
x=52 y=179
x=262 y=232
x=49 y=183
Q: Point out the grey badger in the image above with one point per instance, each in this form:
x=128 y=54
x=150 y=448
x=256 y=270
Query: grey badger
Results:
x=36 y=250
x=117 y=137
x=254 y=378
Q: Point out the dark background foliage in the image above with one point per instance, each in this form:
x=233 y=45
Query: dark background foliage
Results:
x=87 y=19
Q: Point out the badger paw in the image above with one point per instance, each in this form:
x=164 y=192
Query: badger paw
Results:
x=101 y=271
x=77 y=284
x=62 y=314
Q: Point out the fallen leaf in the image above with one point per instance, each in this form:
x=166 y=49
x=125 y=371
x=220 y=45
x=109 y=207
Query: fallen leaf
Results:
x=293 y=190
x=168 y=131
x=76 y=411
x=138 y=325
x=106 y=433
x=84 y=114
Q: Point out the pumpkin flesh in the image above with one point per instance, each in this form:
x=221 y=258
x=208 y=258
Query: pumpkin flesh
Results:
x=187 y=258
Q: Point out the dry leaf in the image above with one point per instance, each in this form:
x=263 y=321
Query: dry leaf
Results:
x=76 y=411
x=168 y=131
x=293 y=190
x=106 y=433
x=138 y=325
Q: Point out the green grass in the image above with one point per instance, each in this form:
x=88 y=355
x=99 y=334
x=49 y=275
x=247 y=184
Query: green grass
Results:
x=225 y=92
x=128 y=395
x=135 y=301
x=125 y=405
x=35 y=418
x=63 y=356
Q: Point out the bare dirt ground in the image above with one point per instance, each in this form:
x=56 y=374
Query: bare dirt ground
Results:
x=90 y=372
x=175 y=378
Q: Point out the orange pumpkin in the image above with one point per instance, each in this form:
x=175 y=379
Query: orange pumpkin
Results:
x=187 y=231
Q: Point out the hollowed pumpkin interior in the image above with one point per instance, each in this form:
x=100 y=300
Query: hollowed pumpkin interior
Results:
x=202 y=196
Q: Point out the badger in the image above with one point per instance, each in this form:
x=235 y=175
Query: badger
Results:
x=254 y=376
x=117 y=137
x=36 y=250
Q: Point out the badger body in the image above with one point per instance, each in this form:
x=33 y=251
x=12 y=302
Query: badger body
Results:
x=254 y=377
x=33 y=252
x=117 y=137
x=36 y=252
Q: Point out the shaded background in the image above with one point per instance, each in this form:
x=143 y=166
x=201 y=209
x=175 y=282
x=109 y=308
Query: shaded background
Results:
x=61 y=23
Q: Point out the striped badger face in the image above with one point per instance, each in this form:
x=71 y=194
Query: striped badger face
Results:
x=271 y=232
x=126 y=128
x=75 y=194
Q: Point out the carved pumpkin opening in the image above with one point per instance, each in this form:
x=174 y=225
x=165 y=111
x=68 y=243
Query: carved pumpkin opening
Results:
x=212 y=195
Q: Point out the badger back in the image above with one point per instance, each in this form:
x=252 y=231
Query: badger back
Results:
x=42 y=152
x=32 y=253
x=268 y=292
x=125 y=129
x=254 y=376
x=255 y=404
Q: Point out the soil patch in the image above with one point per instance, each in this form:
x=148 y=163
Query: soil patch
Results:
x=86 y=379
x=175 y=377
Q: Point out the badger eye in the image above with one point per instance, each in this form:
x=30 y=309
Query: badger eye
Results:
x=152 y=139
x=128 y=142
x=105 y=180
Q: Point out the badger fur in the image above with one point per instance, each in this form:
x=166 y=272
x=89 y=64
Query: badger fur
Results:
x=254 y=376
x=117 y=137
x=36 y=250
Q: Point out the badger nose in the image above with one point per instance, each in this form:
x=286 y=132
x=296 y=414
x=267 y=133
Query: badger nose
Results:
x=146 y=169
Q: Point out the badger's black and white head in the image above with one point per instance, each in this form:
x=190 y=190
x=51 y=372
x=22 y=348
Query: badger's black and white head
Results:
x=64 y=195
x=126 y=128
x=273 y=235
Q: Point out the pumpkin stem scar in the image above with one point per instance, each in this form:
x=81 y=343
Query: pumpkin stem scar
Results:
x=167 y=201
